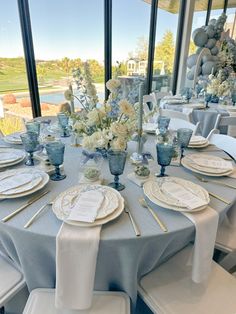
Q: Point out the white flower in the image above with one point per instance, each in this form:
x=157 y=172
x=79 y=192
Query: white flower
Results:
x=78 y=127
x=94 y=117
x=88 y=143
x=113 y=85
x=119 y=144
x=119 y=130
x=126 y=108
x=100 y=140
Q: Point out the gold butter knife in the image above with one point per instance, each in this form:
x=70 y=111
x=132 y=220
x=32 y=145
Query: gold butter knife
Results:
x=133 y=222
x=17 y=211
x=220 y=198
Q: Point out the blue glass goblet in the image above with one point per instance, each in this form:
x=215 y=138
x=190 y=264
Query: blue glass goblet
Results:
x=63 y=122
x=116 y=161
x=33 y=126
x=198 y=89
x=55 y=151
x=165 y=153
x=163 y=123
x=207 y=99
x=184 y=136
x=233 y=97
x=31 y=144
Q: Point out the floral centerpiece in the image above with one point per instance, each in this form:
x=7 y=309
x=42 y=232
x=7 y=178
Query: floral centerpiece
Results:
x=219 y=86
x=109 y=126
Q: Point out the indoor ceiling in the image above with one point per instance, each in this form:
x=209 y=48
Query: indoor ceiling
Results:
x=200 y=5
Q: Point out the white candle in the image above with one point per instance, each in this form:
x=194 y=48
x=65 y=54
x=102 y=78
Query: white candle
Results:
x=140 y=116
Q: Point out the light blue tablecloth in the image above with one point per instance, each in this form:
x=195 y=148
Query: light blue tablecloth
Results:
x=123 y=258
x=207 y=118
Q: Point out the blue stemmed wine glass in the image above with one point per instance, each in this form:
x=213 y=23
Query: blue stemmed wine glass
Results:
x=33 y=126
x=198 y=89
x=163 y=123
x=116 y=161
x=207 y=99
x=183 y=137
x=63 y=122
x=233 y=97
x=31 y=145
x=165 y=153
x=55 y=151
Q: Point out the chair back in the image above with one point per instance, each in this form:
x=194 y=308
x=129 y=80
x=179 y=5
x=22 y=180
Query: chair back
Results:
x=229 y=122
x=176 y=124
x=224 y=142
x=175 y=114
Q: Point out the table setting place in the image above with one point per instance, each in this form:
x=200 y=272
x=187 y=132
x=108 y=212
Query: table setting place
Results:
x=84 y=208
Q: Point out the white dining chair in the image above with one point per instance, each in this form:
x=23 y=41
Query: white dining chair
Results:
x=224 y=142
x=11 y=281
x=169 y=289
x=229 y=122
x=175 y=114
x=176 y=123
x=42 y=301
x=226 y=235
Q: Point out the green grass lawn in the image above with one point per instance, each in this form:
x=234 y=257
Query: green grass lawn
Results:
x=13 y=77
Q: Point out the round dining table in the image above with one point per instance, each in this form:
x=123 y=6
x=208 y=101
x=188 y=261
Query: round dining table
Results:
x=123 y=258
x=207 y=117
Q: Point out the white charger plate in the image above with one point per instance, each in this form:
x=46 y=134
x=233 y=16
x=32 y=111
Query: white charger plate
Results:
x=160 y=199
x=13 y=138
x=107 y=215
x=18 y=155
x=198 y=169
x=44 y=180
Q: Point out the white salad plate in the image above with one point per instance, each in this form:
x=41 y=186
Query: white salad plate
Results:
x=38 y=181
x=152 y=189
x=111 y=208
x=190 y=163
x=13 y=138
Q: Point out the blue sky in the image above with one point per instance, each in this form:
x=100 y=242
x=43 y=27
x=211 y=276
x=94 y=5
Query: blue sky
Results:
x=74 y=28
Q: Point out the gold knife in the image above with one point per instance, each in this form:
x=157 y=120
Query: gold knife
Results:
x=220 y=198
x=31 y=201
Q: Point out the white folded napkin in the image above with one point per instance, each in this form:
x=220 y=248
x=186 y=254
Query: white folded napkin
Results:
x=11 y=182
x=76 y=258
x=206 y=224
x=139 y=181
x=87 y=206
x=186 y=197
x=211 y=163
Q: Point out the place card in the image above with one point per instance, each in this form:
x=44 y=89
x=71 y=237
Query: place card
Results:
x=87 y=206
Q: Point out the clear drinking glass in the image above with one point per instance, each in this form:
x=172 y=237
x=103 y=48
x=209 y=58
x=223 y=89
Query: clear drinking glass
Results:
x=184 y=136
x=31 y=145
x=165 y=153
x=116 y=161
x=63 y=120
x=55 y=151
x=33 y=126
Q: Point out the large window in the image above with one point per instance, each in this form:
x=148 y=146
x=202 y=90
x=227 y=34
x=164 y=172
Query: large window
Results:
x=130 y=31
x=166 y=30
x=230 y=24
x=13 y=79
x=217 y=8
x=68 y=43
